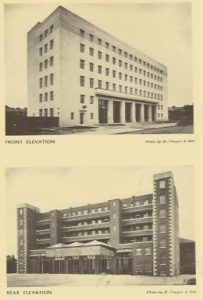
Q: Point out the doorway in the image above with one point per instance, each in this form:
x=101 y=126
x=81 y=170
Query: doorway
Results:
x=81 y=118
x=103 y=108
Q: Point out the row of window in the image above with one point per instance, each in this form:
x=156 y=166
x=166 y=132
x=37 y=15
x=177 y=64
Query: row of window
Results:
x=47 y=112
x=46 y=47
x=119 y=88
x=143 y=251
x=85 y=211
x=119 y=51
x=131 y=68
x=137 y=215
x=137 y=203
x=48 y=80
x=137 y=227
x=84 y=223
x=46 y=63
x=72 y=116
x=46 y=33
x=85 y=233
x=46 y=96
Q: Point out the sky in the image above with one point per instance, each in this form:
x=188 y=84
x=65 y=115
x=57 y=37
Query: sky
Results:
x=60 y=188
x=162 y=31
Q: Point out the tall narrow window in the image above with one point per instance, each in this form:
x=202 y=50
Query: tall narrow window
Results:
x=82 y=80
x=51 y=44
x=51 y=95
x=51 y=79
x=51 y=112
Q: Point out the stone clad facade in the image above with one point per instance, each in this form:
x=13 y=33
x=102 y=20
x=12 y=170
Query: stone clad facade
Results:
x=83 y=75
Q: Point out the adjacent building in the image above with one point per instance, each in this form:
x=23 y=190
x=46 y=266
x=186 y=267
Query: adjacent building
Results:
x=83 y=75
x=136 y=235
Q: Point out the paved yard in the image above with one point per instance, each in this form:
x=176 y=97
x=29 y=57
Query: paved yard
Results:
x=47 y=280
x=168 y=130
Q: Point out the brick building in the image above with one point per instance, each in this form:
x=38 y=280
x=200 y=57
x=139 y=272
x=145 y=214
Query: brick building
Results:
x=83 y=75
x=136 y=235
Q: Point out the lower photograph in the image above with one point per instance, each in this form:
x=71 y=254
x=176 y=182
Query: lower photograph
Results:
x=100 y=226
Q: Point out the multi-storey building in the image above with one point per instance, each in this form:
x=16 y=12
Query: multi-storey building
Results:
x=83 y=75
x=137 y=235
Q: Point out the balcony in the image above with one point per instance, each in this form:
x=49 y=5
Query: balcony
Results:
x=42 y=241
x=134 y=233
x=86 y=238
x=137 y=221
x=134 y=209
x=86 y=227
x=96 y=215
x=43 y=221
x=42 y=231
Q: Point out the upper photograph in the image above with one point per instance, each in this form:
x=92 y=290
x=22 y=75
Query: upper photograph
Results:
x=96 y=69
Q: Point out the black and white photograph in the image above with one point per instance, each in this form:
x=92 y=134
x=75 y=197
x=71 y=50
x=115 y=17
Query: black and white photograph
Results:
x=98 y=68
x=100 y=226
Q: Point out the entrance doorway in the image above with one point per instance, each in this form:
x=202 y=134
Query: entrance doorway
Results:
x=116 y=112
x=81 y=118
x=128 y=107
x=153 y=113
x=146 y=113
x=137 y=112
x=103 y=108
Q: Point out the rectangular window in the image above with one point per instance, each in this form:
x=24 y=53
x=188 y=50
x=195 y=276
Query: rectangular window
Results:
x=162 y=184
x=51 y=95
x=126 y=89
x=40 y=97
x=91 y=67
x=72 y=115
x=99 y=41
x=46 y=63
x=138 y=251
x=126 y=65
x=46 y=33
x=41 y=37
x=45 y=48
x=99 y=69
x=82 y=98
x=162 y=213
x=162 y=199
x=99 y=55
x=40 y=66
x=107 y=71
x=114 y=74
x=107 y=85
x=120 y=75
x=82 y=80
x=51 y=44
x=91 y=83
x=41 y=82
x=107 y=45
x=21 y=231
x=91 y=99
x=114 y=60
x=46 y=96
x=40 y=112
x=91 y=37
x=46 y=112
x=51 y=61
x=91 y=51
x=82 y=48
x=162 y=243
x=92 y=116
x=82 y=64
x=51 y=112
x=45 y=80
x=148 y=251
x=82 y=33
x=120 y=63
x=114 y=87
x=51 y=78
x=51 y=28
x=107 y=58
x=162 y=228
x=126 y=77
x=120 y=88
x=40 y=51
x=99 y=84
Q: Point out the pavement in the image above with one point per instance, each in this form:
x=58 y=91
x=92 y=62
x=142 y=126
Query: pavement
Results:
x=47 y=280
x=108 y=129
